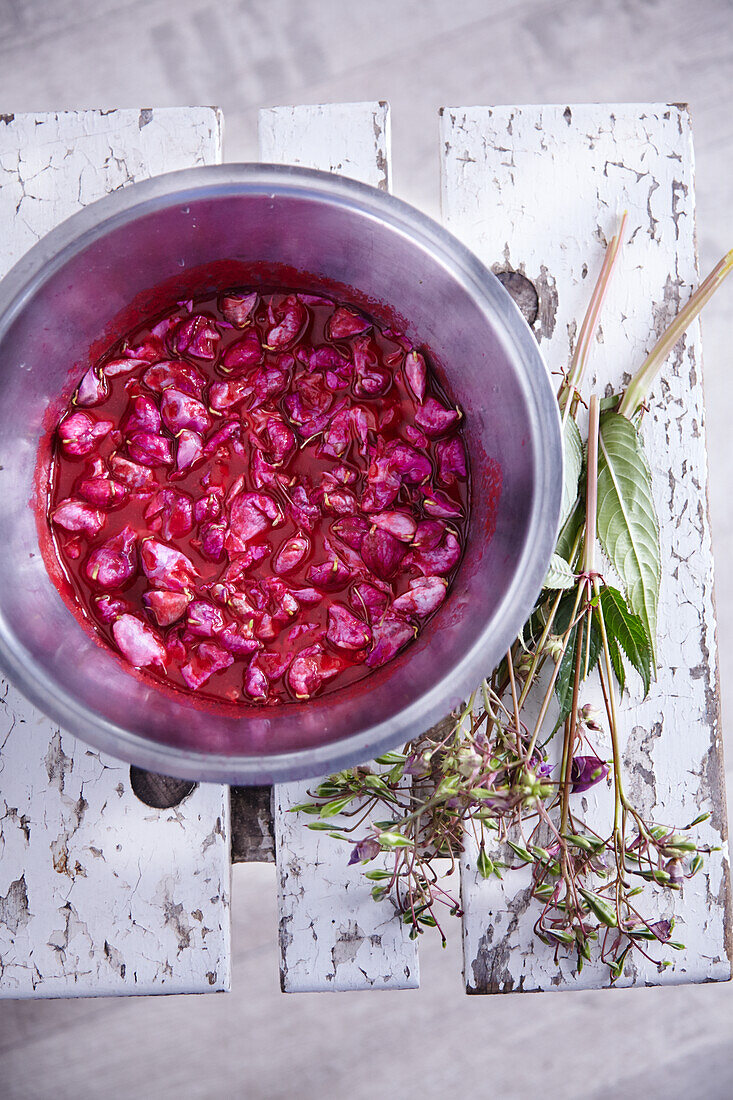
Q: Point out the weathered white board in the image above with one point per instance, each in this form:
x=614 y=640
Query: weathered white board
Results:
x=540 y=190
x=333 y=936
x=99 y=894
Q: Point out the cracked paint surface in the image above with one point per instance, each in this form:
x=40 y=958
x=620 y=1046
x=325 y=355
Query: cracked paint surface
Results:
x=573 y=171
x=333 y=936
x=99 y=894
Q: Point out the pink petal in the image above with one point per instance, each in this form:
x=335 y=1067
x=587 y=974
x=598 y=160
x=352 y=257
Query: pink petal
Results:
x=291 y=554
x=382 y=553
x=181 y=411
x=330 y=574
x=228 y=431
x=416 y=374
x=344 y=322
x=227 y=395
x=213 y=537
x=142 y=415
x=174 y=373
x=80 y=432
x=345 y=630
x=167 y=607
x=102 y=492
x=409 y=464
x=398 y=524
x=238 y=308
x=301 y=509
x=174 y=511
x=76 y=515
x=416 y=437
x=268 y=383
x=238 y=638
x=92 y=389
x=307 y=596
x=280 y=441
x=132 y=474
x=109 y=608
x=434 y=418
x=370 y=600
x=440 y=559
x=339 y=502
x=291 y=316
x=250 y=515
x=244 y=354
x=281 y=602
x=372 y=380
x=337 y=437
x=204 y=618
x=197 y=336
x=451 y=458
x=114 y=562
x=149 y=450
x=351 y=530
x=209 y=506
x=390 y=634
x=189 y=449
x=428 y=535
x=311 y=669
x=256 y=685
x=439 y=505
x=166 y=567
x=113 y=368
x=206 y=659
x=138 y=642
x=425 y=595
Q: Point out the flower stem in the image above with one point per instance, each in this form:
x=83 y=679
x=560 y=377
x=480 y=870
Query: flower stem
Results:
x=570 y=386
x=638 y=389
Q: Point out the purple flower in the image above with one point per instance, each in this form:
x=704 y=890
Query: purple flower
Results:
x=364 y=850
x=662 y=929
x=586 y=772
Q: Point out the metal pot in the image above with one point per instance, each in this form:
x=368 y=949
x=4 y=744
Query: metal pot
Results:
x=76 y=285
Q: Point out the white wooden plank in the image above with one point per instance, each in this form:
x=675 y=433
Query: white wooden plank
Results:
x=99 y=894
x=333 y=936
x=540 y=190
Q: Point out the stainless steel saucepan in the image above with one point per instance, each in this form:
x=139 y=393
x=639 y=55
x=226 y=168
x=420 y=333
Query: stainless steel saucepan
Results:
x=76 y=285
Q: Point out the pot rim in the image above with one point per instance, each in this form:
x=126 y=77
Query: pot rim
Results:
x=95 y=221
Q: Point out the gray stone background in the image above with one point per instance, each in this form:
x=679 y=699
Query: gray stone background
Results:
x=418 y=54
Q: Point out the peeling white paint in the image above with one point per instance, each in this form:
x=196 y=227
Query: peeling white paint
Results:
x=540 y=190
x=99 y=894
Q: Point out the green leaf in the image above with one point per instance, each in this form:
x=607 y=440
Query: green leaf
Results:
x=628 y=527
x=521 y=852
x=572 y=447
x=566 y=675
x=568 y=533
x=330 y=809
x=485 y=864
x=559 y=574
x=600 y=908
x=391 y=758
x=628 y=630
x=393 y=840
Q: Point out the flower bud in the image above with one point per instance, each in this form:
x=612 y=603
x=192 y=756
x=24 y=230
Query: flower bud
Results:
x=586 y=771
x=554 y=647
x=468 y=762
x=592 y=716
x=524 y=664
x=673 y=867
